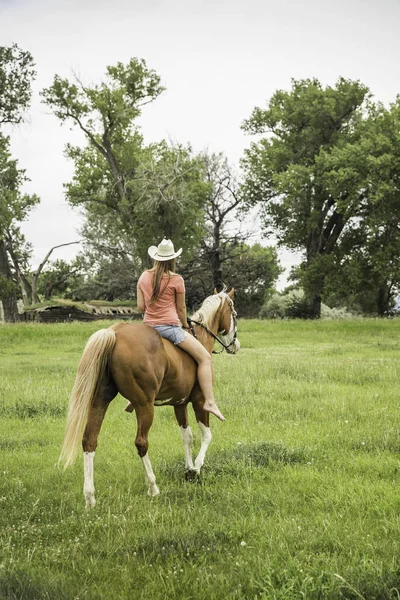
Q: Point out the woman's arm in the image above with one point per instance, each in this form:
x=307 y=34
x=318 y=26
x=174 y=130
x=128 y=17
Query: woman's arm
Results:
x=181 y=308
x=140 y=300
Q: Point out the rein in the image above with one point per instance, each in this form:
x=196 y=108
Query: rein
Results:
x=224 y=346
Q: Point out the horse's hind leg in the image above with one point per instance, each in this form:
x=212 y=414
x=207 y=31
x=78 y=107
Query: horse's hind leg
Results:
x=89 y=442
x=187 y=436
x=203 y=421
x=145 y=415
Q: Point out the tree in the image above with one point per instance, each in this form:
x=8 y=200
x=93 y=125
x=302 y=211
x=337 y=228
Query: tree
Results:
x=17 y=71
x=284 y=174
x=19 y=252
x=55 y=281
x=131 y=194
x=106 y=113
x=223 y=200
x=59 y=277
x=109 y=280
x=368 y=168
x=253 y=272
x=16 y=75
x=14 y=208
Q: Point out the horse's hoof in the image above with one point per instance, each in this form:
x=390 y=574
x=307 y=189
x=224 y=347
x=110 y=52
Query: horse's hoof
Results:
x=90 y=502
x=153 y=491
x=192 y=474
x=129 y=408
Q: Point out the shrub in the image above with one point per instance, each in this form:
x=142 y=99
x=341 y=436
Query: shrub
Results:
x=297 y=306
x=274 y=308
x=294 y=305
x=335 y=313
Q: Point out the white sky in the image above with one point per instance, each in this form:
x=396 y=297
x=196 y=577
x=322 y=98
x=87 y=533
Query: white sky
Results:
x=217 y=58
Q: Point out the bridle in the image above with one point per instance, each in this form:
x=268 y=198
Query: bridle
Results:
x=224 y=346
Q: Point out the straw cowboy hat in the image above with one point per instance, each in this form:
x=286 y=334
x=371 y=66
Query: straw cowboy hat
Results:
x=164 y=251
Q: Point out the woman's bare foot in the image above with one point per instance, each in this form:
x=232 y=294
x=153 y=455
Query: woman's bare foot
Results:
x=212 y=408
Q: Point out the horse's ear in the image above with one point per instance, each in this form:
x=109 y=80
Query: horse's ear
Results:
x=230 y=294
x=215 y=291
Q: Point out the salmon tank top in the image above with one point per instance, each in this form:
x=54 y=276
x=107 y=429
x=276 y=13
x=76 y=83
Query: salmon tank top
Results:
x=163 y=310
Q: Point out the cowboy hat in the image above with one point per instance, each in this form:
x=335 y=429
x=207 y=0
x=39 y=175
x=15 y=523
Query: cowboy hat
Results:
x=164 y=251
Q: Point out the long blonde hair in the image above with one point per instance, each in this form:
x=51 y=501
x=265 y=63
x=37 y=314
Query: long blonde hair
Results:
x=161 y=267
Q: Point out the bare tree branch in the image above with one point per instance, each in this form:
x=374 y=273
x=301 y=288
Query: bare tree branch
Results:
x=35 y=277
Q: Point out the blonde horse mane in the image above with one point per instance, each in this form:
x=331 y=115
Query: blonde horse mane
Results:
x=208 y=308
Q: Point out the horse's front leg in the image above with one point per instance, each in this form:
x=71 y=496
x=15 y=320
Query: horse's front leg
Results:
x=203 y=421
x=187 y=436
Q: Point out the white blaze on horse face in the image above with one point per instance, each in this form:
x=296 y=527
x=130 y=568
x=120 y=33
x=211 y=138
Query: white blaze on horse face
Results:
x=205 y=442
x=231 y=346
x=187 y=438
x=149 y=476
x=236 y=346
x=88 y=483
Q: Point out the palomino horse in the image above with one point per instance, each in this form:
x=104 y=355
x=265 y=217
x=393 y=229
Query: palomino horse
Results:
x=134 y=360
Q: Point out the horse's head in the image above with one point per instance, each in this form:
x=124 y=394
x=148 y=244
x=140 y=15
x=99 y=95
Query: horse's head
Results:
x=227 y=326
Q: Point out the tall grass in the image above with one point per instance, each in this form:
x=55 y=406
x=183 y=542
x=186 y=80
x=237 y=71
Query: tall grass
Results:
x=299 y=497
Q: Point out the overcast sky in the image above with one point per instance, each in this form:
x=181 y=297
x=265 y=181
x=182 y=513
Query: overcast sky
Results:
x=218 y=59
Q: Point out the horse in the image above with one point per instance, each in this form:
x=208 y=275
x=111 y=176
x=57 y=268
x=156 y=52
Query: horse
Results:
x=148 y=370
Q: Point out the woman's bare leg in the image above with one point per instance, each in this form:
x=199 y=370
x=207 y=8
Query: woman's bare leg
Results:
x=204 y=373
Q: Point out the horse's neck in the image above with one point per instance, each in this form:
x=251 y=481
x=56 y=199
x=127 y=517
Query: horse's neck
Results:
x=205 y=338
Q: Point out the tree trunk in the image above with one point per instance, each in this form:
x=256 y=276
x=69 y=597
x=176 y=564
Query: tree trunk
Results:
x=9 y=297
x=24 y=283
x=315 y=285
x=114 y=167
x=35 y=297
x=315 y=306
x=215 y=260
x=216 y=270
x=383 y=300
x=26 y=289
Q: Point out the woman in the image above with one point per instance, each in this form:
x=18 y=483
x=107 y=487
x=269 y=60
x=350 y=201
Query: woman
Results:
x=161 y=297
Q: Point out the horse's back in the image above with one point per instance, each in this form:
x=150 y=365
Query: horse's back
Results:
x=138 y=362
x=137 y=336
x=143 y=359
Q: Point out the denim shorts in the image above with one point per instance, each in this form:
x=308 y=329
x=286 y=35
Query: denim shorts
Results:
x=173 y=333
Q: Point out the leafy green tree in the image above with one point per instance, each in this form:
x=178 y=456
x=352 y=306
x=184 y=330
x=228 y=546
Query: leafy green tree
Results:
x=14 y=208
x=110 y=279
x=367 y=171
x=17 y=71
x=106 y=114
x=167 y=192
x=16 y=75
x=59 y=277
x=131 y=194
x=284 y=174
x=253 y=272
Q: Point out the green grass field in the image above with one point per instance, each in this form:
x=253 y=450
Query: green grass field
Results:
x=299 y=498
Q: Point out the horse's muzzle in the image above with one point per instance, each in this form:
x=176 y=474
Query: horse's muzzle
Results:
x=234 y=348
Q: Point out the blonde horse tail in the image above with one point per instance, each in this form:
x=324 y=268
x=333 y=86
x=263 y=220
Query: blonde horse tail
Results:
x=90 y=371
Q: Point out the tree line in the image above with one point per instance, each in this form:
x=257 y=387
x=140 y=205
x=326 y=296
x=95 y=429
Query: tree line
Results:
x=322 y=171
